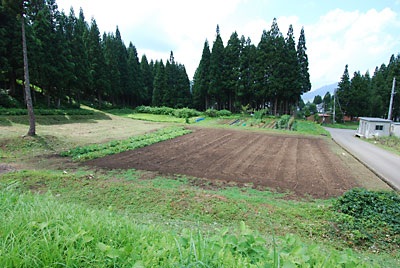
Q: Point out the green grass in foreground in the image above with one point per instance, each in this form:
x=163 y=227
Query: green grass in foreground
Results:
x=171 y=204
x=43 y=231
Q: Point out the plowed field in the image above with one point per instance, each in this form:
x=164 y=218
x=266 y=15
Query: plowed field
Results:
x=303 y=165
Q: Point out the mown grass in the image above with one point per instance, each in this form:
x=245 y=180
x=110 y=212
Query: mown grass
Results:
x=116 y=220
x=349 y=125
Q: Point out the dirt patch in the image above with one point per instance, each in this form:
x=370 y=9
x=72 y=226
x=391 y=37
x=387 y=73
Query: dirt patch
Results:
x=4 y=168
x=303 y=165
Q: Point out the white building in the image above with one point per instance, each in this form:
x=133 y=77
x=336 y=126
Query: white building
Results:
x=371 y=127
x=395 y=129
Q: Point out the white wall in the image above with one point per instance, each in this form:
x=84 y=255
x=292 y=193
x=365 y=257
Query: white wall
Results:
x=396 y=130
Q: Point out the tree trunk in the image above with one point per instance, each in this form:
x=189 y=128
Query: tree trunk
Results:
x=28 y=98
x=275 y=105
x=99 y=96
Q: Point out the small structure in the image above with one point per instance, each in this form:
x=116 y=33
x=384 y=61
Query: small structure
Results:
x=322 y=118
x=395 y=130
x=370 y=127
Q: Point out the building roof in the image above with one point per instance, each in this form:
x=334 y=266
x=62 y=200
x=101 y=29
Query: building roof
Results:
x=374 y=119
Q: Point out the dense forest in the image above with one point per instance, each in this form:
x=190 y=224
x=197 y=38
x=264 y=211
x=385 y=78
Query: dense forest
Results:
x=363 y=95
x=271 y=75
x=70 y=63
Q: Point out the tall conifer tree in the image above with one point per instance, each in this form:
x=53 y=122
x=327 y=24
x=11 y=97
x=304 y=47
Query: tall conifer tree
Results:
x=201 y=86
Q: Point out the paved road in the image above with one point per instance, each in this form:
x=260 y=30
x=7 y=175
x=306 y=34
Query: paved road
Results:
x=386 y=164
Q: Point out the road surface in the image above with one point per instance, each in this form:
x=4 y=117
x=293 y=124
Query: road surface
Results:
x=384 y=163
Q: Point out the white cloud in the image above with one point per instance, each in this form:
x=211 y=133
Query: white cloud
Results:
x=362 y=40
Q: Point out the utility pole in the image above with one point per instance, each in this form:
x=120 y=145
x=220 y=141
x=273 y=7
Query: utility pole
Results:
x=334 y=106
x=391 y=99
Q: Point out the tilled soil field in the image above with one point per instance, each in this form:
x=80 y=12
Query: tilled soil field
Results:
x=303 y=165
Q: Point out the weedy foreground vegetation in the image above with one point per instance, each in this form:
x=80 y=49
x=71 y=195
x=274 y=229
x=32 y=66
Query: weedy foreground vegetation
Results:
x=66 y=215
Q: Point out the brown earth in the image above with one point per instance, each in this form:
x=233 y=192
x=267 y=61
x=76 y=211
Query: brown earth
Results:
x=303 y=165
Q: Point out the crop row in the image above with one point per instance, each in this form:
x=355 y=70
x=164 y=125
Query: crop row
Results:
x=93 y=151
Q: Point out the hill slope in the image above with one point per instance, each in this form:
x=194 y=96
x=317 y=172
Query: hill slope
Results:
x=309 y=96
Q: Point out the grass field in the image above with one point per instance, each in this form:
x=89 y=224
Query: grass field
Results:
x=56 y=212
x=350 y=125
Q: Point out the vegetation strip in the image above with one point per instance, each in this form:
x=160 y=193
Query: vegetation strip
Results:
x=99 y=150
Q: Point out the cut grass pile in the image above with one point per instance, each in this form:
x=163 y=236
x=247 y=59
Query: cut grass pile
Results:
x=42 y=230
x=82 y=153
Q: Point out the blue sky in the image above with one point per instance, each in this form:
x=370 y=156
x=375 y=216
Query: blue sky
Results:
x=363 y=34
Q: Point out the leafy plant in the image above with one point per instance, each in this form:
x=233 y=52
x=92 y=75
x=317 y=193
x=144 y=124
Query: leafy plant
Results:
x=260 y=113
x=283 y=122
x=211 y=113
x=223 y=113
x=369 y=217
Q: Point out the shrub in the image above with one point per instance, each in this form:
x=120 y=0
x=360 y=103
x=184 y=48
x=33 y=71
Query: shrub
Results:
x=283 y=122
x=7 y=101
x=369 y=217
x=223 y=113
x=211 y=112
x=260 y=113
x=185 y=113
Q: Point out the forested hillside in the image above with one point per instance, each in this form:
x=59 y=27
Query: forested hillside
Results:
x=70 y=62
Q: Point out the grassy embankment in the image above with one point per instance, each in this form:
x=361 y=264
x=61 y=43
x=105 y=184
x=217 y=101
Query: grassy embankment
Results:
x=388 y=143
x=107 y=218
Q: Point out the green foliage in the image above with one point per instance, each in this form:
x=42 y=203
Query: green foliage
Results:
x=180 y=113
x=369 y=218
x=99 y=150
x=283 y=122
x=260 y=113
x=7 y=101
x=211 y=113
x=43 y=229
x=317 y=117
x=223 y=113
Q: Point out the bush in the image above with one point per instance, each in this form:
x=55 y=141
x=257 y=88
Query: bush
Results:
x=7 y=101
x=223 y=113
x=283 y=122
x=260 y=113
x=369 y=217
x=181 y=113
x=185 y=113
x=211 y=113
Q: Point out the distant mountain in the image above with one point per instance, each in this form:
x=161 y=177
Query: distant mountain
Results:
x=309 y=96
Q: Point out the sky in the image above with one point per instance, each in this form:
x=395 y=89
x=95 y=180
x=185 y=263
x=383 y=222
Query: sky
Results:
x=363 y=34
